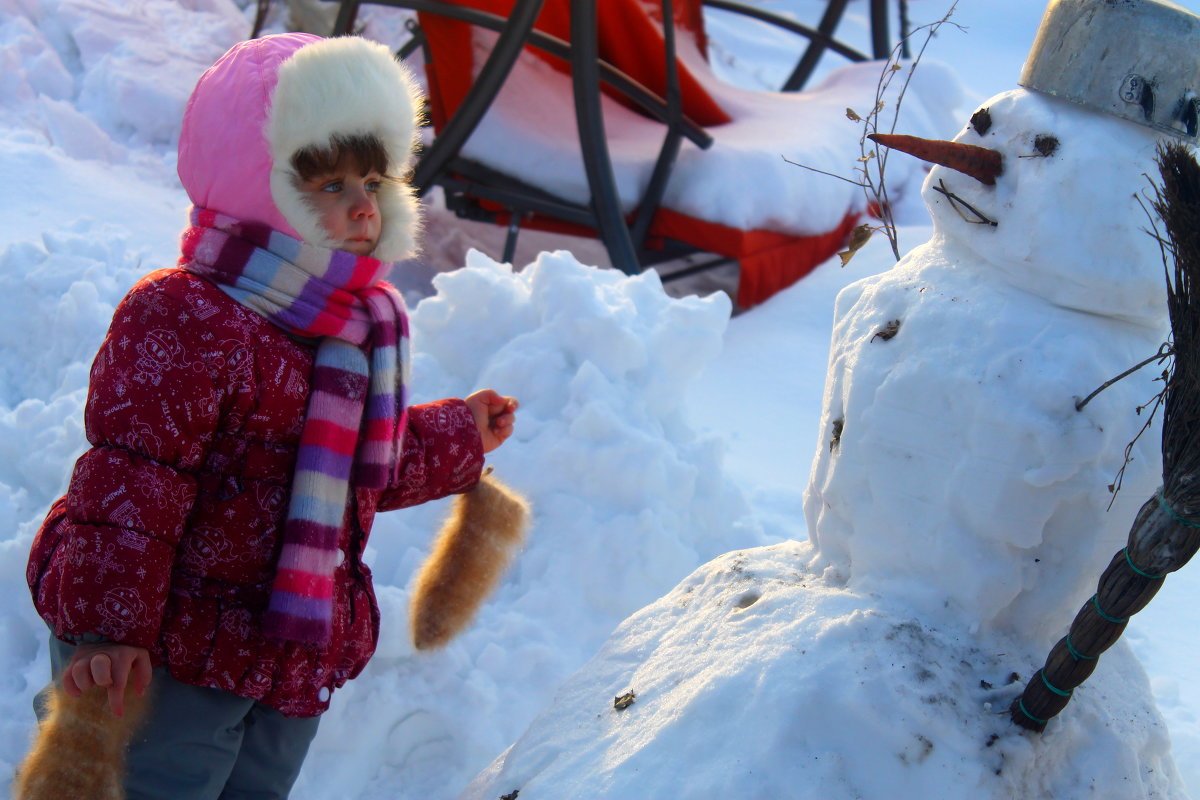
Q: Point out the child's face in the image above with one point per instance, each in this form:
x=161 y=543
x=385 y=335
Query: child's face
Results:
x=348 y=204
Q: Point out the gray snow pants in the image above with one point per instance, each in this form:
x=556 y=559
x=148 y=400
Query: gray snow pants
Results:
x=208 y=744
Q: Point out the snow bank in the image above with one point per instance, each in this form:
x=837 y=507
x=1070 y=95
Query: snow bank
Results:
x=626 y=496
x=626 y=499
x=756 y=679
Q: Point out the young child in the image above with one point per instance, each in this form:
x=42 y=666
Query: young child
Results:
x=247 y=417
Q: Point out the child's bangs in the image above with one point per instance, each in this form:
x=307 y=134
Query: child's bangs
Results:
x=367 y=152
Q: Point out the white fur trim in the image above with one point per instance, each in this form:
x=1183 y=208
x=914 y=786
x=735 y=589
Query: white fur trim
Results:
x=346 y=86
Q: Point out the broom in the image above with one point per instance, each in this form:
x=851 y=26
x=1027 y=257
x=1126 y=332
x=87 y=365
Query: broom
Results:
x=1166 y=530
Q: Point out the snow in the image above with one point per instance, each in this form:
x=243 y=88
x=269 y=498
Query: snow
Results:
x=755 y=678
x=666 y=449
x=745 y=159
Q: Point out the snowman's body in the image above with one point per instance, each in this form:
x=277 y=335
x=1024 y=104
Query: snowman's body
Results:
x=953 y=465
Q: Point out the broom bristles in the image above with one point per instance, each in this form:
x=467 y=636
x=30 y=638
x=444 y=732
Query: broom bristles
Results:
x=1177 y=202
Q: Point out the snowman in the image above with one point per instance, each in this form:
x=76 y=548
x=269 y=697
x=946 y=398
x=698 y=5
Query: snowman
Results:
x=954 y=465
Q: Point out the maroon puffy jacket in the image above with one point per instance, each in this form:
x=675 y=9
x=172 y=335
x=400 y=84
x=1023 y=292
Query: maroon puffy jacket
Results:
x=168 y=535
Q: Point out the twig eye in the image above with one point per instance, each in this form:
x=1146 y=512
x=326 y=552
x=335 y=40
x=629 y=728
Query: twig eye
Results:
x=1044 y=146
x=958 y=204
x=981 y=121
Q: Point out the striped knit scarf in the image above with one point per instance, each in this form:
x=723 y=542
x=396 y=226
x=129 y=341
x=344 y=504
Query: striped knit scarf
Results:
x=339 y=297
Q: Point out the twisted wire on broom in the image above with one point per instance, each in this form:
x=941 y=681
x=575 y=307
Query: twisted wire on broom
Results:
x=1166 y=530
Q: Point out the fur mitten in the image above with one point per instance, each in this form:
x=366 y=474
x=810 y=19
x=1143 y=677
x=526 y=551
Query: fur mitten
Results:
x=79 y=748
x=471 y=553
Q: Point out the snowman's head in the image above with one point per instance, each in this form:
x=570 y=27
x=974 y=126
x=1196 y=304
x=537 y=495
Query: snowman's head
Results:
x=1055 y=209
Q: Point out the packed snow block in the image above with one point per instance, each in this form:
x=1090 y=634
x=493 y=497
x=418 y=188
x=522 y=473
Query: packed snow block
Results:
x=758 y=677
x=471 y=553
x=79 y=748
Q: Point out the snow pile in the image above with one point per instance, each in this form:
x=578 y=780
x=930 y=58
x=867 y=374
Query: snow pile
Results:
x=625 y=496
x=91 y=76
x=91 y=99
x=58 y=299
x=754 y=678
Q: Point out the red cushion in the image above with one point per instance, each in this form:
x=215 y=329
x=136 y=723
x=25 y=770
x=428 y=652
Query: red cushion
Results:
x=629 y=37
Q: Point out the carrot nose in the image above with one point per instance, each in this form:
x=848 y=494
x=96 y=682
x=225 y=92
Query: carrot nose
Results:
x=981 y=163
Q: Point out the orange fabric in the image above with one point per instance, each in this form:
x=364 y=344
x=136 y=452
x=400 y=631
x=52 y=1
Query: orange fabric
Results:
x=770 y=261
x=628 y=34
x=449 y=73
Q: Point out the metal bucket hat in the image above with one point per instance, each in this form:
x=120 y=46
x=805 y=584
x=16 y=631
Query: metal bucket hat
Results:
x=1134 y=59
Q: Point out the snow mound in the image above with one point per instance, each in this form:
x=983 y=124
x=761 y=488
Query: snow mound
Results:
x=626 y=499
x=57 y=298
x=753 y=672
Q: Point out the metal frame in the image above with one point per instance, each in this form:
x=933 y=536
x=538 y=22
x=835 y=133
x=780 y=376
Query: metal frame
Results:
x=466 y=182
x=821 y=37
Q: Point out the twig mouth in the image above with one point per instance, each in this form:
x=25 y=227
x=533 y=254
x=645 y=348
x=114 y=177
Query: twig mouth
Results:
x=964 y=209
x=981 y=163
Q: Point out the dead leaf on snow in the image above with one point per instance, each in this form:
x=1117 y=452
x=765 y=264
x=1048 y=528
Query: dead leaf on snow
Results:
x=858 y=237
x=887 y=331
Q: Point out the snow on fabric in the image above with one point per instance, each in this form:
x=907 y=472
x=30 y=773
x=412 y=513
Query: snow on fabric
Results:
x=620 y=389
x=540 y=141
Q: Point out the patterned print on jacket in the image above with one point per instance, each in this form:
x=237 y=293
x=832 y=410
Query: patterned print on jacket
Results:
x=169 y=532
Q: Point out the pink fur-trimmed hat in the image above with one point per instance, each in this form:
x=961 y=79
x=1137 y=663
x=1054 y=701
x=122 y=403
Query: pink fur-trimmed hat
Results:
x=267 y=98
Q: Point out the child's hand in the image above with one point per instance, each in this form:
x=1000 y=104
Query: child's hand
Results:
x=494 y=416
x=109 y=665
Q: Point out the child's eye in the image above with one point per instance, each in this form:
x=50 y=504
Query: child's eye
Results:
x=333 y=187
x=374 y=186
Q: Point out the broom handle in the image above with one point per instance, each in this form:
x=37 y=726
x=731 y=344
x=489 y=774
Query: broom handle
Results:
x=1161 y=541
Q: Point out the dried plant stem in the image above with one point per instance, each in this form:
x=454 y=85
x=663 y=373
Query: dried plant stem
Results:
x=823 y=172
x=875 y=185
x=873 y=182
x=1164 y=352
